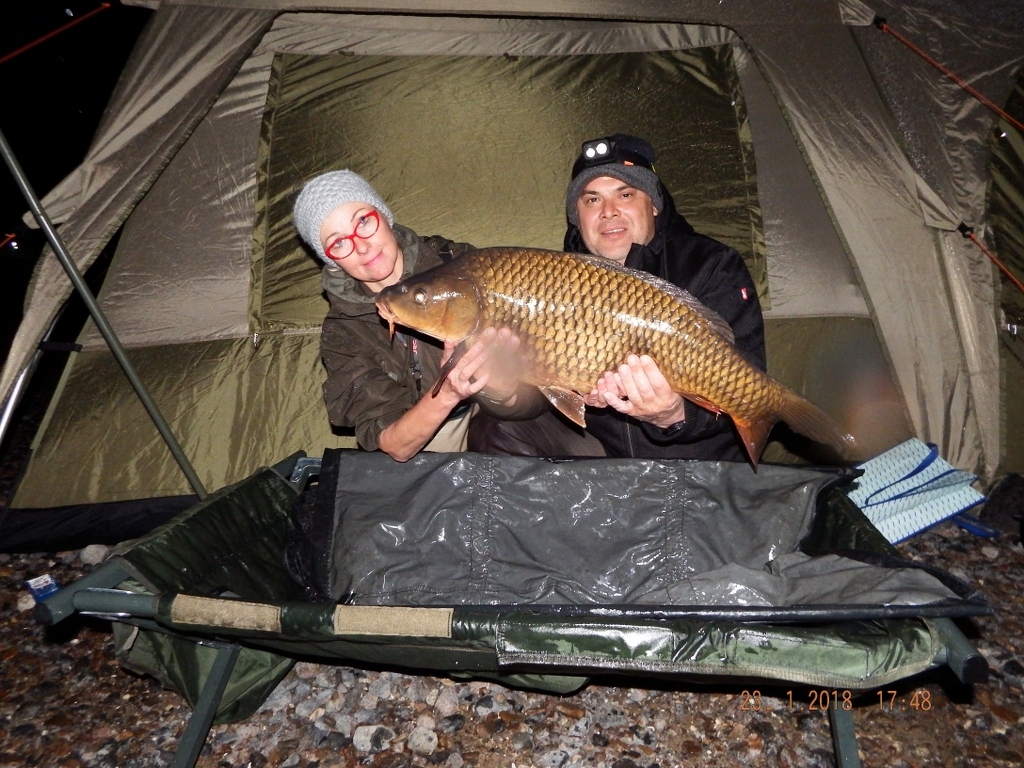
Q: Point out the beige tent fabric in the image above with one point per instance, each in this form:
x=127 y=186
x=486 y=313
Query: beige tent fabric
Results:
x=182 y=62
x=230 y=405
x=1006 y=222
x=943 y=132
x=809 y=272
x=869 y=185
x=855 y=13
x=181 y=270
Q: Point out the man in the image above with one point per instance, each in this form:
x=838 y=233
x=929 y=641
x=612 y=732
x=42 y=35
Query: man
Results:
x=619 y=209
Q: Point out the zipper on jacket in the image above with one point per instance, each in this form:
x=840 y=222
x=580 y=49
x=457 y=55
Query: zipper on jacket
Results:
x=630 y=447
x=417 y=371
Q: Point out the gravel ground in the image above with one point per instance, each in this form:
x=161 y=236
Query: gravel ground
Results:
x=65 y=701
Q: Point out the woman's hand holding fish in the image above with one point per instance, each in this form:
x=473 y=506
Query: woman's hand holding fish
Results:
x=480 y=367
x=639 y=389
x=414 y=429
x=462 y=381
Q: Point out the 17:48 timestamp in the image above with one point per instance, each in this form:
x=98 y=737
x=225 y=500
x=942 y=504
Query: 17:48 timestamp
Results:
x=823 y=700
x=891 y=701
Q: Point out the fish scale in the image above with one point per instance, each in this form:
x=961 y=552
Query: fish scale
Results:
x=521 y=302
x=580 y=316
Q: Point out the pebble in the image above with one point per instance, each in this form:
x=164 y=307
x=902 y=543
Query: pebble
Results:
x=522 y=742
x=94 y=554
x=451 y=723
x=314 y=704
x=372 y=738
x=447 y=702
x=422 y=741
x=556 y=758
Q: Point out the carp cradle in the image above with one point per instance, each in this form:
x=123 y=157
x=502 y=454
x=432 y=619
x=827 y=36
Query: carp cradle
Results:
x=209 y=609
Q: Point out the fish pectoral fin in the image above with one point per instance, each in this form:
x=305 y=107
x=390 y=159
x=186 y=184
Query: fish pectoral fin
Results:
x=568 y=402
x=703 y=402
x=457 y=354
x=754 y=435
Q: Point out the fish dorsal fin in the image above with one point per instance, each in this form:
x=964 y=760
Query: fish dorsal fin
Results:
x=568 y=402
x=715 y=320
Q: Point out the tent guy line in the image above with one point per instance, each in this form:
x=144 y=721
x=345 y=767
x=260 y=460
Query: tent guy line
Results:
x=964 y=229
x=882 y=25
x=7 y=57
x=968 y=232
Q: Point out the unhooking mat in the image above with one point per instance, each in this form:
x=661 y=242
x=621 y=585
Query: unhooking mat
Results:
x=469 y=529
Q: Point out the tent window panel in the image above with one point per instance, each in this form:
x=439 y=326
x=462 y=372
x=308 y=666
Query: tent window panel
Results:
x=478 y=149
x=1006 y=214
x=1006 y=200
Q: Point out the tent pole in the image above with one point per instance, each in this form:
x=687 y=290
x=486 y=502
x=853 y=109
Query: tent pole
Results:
x=16 y=390
x=99 y=318
x=21 y=382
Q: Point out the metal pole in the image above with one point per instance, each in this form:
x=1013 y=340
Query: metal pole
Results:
x=19 y=385
x=99 y=318
x=844 y=738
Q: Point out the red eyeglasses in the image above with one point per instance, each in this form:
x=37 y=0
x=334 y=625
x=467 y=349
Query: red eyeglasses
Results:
x=343 y=247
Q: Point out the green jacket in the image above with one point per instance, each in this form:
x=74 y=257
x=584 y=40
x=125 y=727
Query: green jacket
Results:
x=370 y=378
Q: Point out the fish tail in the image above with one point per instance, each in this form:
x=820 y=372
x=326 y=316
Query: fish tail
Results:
x=811 y=421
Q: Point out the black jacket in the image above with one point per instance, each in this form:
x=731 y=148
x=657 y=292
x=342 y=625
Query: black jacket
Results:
x=716 y=275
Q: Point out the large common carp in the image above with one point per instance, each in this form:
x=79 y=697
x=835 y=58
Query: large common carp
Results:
x=578 y=316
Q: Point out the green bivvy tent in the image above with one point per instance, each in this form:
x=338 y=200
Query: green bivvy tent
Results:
x=838 y=162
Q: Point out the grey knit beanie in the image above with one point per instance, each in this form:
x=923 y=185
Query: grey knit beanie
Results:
x=322 y=195
x=619 y=166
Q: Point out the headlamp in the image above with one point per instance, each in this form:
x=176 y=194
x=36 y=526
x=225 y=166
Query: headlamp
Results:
x=596 y=149
x=605 y=151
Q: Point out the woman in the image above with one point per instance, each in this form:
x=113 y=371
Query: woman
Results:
x=378 y=386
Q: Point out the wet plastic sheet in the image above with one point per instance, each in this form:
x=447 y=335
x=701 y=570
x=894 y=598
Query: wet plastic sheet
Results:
x=469 y=529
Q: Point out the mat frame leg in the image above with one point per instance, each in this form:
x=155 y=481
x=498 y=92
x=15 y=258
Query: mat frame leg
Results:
x=844 y=737
x=195 y=733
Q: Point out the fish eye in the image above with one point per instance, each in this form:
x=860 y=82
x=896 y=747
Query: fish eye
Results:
x=420 y=296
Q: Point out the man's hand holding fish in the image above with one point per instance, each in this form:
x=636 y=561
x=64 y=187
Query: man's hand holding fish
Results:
x=639 y=389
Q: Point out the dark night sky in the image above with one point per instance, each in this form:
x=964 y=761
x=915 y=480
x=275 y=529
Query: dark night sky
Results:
x=53 y=97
